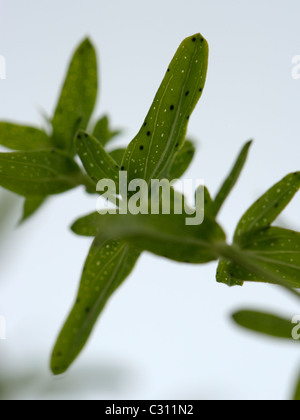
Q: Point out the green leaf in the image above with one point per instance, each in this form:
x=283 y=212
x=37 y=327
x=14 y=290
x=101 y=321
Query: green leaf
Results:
x=96 y=161
x=31 y=205
x=276 y=250
x=208 y=203
x=118 y=155
x=22 y=138
x=102 y=131
x=105 y=269
x=269 y=206
x=264 y=323
x=164 y=235
x=151 y=152
x=38 y=173
x=88 y=225
x=229 y=273
x=297 y=391
x=78 y=97
x=182 y=161
x=232 y=179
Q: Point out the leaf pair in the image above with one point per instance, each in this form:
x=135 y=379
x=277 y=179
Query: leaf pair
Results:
x=274 y=250
x=158 y=151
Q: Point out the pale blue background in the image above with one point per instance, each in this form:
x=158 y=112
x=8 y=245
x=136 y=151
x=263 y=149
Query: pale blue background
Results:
x=167 y=332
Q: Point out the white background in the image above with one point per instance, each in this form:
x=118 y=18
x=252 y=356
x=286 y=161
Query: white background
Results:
x=167 y=332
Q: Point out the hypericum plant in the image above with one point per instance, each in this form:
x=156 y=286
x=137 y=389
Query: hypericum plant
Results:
x=45 y=164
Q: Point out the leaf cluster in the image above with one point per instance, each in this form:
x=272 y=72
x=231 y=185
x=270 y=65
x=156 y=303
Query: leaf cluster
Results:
x=40 y=164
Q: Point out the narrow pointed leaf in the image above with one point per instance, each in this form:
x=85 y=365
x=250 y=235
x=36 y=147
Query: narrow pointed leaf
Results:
x=22 y=138
x=118 y=155
x=231 y=180
x=38 y=173
x=96 y=161
x=105 y=269
x=31 y=206
x=151 y=152
x=264 y=323
x=269 y=206
x=182 y=161
x=78 y=96
x=102 y=131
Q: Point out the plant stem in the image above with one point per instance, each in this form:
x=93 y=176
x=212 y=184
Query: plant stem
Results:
x=246 y=260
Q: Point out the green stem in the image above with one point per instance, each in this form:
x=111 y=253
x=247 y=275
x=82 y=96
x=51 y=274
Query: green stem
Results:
x=246 y=260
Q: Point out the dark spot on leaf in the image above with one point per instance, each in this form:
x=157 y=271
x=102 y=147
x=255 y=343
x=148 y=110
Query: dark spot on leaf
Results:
x=177 y=145
x=172 y=107
x=59 y=354
x=145 y=124
x=202 y=39
x=194 y=39
x=187 y=93
x=149 y=133
x=87 y=310
x=141 y=147
x=188 y=117
x=86 y=135
x=168 y=70
x=201 y=89
x=122 y=168
x=276 y=205
x=79 y=136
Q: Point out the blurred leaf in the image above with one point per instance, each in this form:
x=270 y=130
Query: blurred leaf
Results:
x=182 y=161
x=297 y=391
x=102 y=131
x=96 y=161
x=31 y=205
x=22 y=138
x=105 y=269
x=118 y=155
x=269 y=206
x=164 y=235
x=231 y=180
x=78 y=97
x=38 y=172
x=151 y=153
x=208 y=203
x=264 y=323
x=88 y=225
